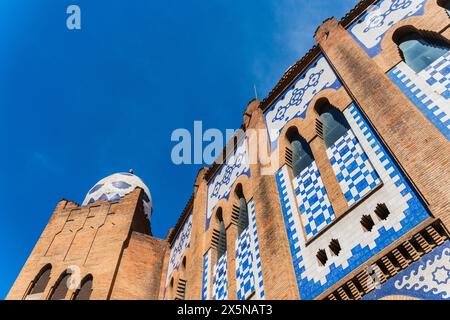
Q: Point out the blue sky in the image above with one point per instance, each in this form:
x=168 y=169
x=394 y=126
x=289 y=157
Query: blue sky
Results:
x=76 y=106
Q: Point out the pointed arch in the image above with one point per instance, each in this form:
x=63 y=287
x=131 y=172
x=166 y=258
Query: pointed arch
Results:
x=444 y=4
x=39 y=283
x=85 y=290
x=61 y=287
x=332 y=122
x=222 y=240
x=242 y=217
x=419 y=48
x=300 y=152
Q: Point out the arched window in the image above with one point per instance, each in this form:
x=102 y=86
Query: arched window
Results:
x=420 y=52
x=222 y=243
x=39 y=283
x=60 y=289
x=445 y=4
x=243 y=214
x=183 y=264
x=333 y=122
x=84 y=293
x=302 y=155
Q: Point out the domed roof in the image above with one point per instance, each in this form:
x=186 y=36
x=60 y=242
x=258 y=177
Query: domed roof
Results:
x=116 y=186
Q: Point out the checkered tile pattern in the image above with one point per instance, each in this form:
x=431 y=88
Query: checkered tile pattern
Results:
x=314 y=205
x=206 y=282
x=248 y=261
x=353 y=170
x=245 y=279
x=428 y=90
x=259 y=287
x=437 y=75
x=220 y=282
x=358 y=246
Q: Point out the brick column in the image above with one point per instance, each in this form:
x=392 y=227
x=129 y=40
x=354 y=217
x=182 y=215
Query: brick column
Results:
x=231 y=261
x=334 y=191
x=417 y=145
x=277 y=266
x=199 y=243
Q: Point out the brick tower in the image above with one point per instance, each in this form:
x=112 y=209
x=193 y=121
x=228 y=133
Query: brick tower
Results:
x=94 y=251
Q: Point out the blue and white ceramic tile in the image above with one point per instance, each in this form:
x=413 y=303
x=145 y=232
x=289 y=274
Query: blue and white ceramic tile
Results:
x=357 y=244
x=206 y=282
x=428 y=90
x=116 y=186
x=295 y=101
x=371 y=28
x=220 y=185
x=315 y=207
x=428 y=278
x=248 y=261
x=220 y=281
x=181 y=243
x=353 y=170
x=245 y=279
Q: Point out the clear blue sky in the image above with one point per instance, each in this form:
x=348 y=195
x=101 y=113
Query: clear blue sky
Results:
x=76 y=106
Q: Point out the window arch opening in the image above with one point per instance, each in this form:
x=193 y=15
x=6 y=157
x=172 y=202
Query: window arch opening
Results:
x=419 y=49
x=61 y=287
x=242 y=218
x=84 y=293
x=444 y=4
x=334 y=124
x=39 y=283
x=300 y=152
x=222 y=241
x=183 y=263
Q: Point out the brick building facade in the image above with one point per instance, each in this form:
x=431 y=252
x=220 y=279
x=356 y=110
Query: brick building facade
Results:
x=356 y=206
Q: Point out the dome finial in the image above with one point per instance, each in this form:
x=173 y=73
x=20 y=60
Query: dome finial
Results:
x=131 y=171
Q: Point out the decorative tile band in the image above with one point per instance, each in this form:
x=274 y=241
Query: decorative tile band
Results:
x=353 y=170
x=315 y=207
x=295 y=101
x=428 y=90
x=428 y=278
x=357 y=244
x=181 y=243
x=371 y=28
x=248 y=261
x=220 y=185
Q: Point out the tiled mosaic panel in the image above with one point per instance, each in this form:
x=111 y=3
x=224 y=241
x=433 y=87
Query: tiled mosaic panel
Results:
x=357 y=244
x=295 y=101
x=428 y=90
x=220 y=185
x=428 y=278
x=206 y=278
x=245 y=279
x=315 y=207
x=181 y=243
x=370 y=29
x=353 y=170
x=437 y=76
x=220 y=282
x=248 y=261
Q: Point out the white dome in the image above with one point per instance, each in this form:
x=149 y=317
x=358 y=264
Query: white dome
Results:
x=116 y=186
